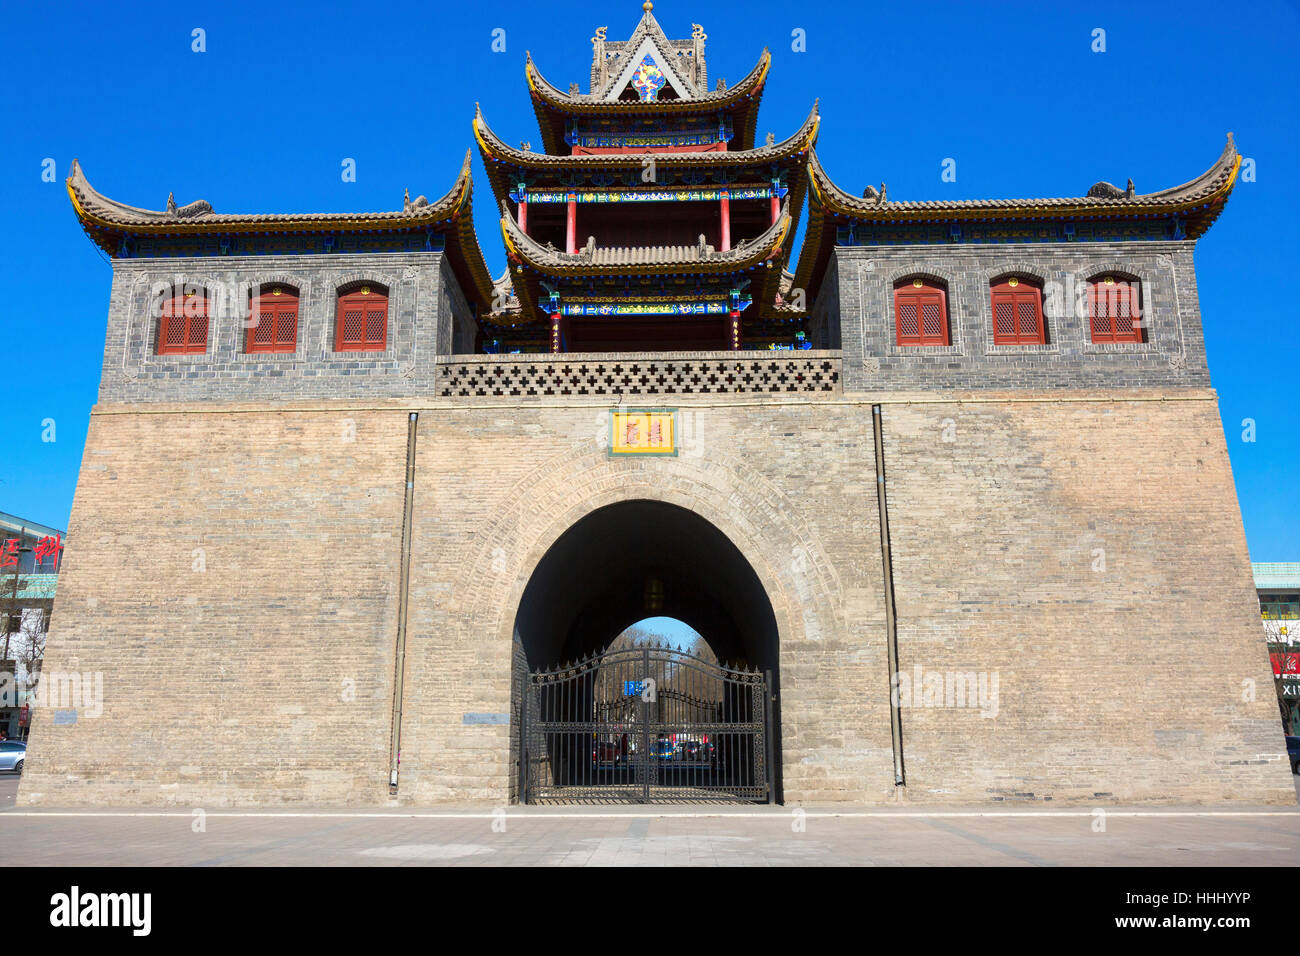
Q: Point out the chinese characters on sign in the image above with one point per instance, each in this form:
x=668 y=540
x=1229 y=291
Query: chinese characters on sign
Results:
x=45 y=547
x=1285 y=663
x=643 y=431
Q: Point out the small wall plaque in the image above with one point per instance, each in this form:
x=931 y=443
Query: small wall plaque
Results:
x=642 y=431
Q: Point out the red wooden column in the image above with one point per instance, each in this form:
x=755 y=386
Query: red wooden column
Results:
x=726 y=220
x=776 y=205
x=523 y=215
x=557 y=332
x=734 y=332
x=571 y=227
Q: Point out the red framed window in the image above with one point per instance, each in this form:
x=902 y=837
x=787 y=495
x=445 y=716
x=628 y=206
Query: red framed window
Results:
x=184 y=325
x=920 y=313
x=362 y=320
x=1018 y=312
x=1114 y=309
x=275 y=316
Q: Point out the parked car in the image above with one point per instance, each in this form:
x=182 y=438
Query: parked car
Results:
x=12 y=753
x=1293 y=751
x=695 y=750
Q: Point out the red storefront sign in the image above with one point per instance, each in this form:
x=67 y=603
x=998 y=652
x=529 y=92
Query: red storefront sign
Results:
x=1285 y=662
x=45 y=547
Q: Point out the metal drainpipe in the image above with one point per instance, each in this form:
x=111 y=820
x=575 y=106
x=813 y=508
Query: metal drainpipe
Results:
x=404 y=577
x=891 y=620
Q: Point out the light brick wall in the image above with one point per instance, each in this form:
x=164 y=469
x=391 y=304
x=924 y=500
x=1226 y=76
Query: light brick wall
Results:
x=496 y=487
x=225 y=686
x=1090 y=555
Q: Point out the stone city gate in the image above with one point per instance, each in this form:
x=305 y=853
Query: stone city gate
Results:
x=646 y=724
x=972 y=553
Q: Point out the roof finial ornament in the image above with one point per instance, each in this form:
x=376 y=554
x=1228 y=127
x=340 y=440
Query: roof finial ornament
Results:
x=771 y=139
x=1105 y=190
x=171 y=203
x=698 y=75
x=601 y=68
x=872 y=193
x=1130 y=192
x=647 y=6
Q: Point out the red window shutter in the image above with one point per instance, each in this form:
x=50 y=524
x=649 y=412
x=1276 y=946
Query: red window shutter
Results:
x=362 y=322
x=171 y=337
x=921 y=314
x=1017 y=313
x=184 y=325
x=197 y=338
x=276 y=330
x=1114 y=310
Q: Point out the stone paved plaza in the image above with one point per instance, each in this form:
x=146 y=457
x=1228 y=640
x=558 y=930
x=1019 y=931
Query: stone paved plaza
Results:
x=695 y=836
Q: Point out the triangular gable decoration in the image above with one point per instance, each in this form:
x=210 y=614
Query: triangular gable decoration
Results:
x=648 y=76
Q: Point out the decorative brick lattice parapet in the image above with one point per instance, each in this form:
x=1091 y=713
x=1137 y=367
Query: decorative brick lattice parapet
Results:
x=724 y=373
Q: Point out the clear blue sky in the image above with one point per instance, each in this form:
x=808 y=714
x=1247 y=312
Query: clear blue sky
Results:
x=263 y=119
x=679 y=633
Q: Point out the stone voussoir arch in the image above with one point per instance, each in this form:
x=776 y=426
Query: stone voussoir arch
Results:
x=389 y=280
x=1016 y=267
x=930 y=270
x=799 y=584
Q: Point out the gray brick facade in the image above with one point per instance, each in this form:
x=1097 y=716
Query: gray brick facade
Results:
x=428 y=316
x=857 y=296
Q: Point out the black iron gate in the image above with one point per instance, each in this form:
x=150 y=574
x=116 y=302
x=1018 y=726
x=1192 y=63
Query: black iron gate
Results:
x=646 y=725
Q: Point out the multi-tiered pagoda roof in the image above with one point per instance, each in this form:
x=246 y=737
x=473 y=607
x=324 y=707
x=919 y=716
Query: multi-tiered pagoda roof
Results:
x=649 y=219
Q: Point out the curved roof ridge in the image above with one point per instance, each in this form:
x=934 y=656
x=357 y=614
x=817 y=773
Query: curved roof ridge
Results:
x=1217 y=179
x=106 y=220
x=1223 y=166
x=92 y=205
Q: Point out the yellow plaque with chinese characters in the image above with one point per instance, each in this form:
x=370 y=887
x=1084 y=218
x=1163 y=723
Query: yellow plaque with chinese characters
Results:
x=643 y=431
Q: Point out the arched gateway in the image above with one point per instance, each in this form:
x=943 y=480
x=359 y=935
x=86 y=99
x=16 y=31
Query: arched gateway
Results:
x=649 y=723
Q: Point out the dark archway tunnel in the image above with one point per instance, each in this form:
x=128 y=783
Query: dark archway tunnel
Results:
x=627 y=561
x=593 y=583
